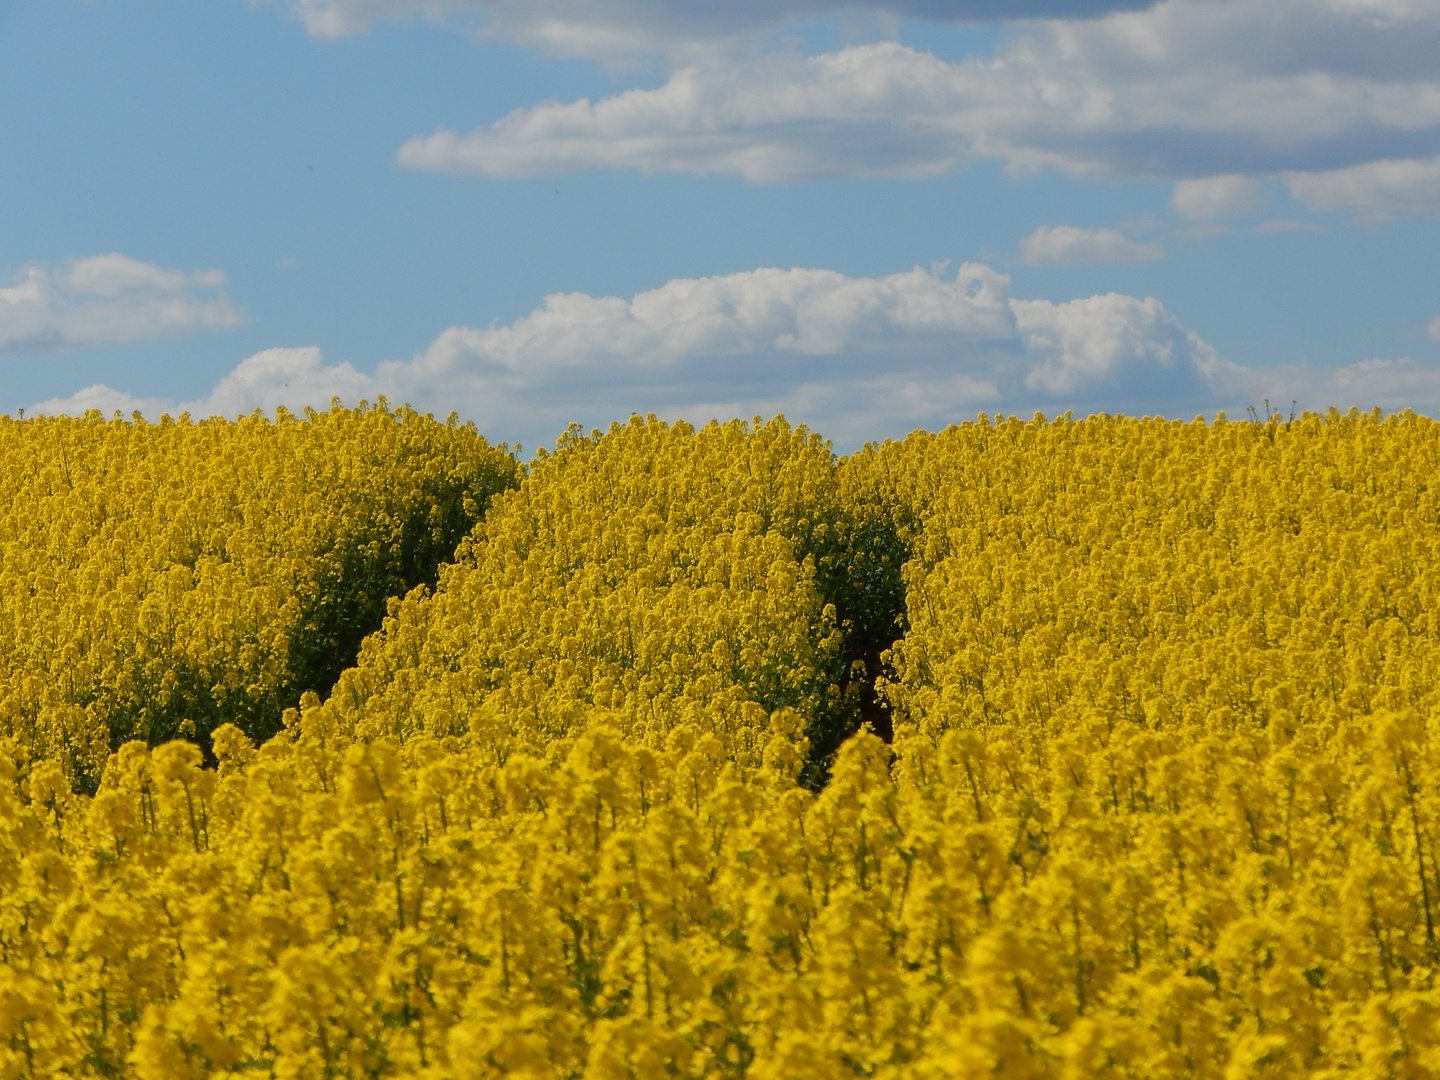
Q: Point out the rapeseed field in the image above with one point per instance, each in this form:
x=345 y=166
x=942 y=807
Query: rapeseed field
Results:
x=347 y=745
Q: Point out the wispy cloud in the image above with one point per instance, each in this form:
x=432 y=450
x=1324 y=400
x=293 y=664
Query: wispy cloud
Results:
x=615 y=28
x=1051 y=245
x=1376 y=190
x=106 y=299
x=1209 y=198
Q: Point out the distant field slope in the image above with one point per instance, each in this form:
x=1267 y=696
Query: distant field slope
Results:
x=649 y=577
x=1177 y=577
x=157 y=574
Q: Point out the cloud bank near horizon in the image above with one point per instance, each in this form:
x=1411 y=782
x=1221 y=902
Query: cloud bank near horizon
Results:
x=855 y=358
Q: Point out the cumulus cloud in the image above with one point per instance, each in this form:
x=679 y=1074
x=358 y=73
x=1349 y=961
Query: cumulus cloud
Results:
x=852 y=356
x=1433 y=330
x=1376 y=191
x=856 y=357
x=106 y=299
x=294 y=378
x=1210 y=91
x=1081 y=343
x=1054 y=245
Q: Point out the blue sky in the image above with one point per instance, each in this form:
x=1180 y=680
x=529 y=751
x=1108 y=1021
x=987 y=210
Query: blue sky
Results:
x=871 y=216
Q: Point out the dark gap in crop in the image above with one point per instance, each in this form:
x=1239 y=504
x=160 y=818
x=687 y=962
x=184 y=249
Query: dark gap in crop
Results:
x=860 y=574
x=343 y=606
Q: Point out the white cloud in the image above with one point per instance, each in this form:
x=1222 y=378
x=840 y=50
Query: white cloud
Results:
x=1204 y=90
x=106 y=400
x=851 y=356
x=1212 y=197
x=613 y=28
x=856 y=357
x=812 y=343
x=1387 y=384
x=1377 y=190
x=1054 y=245
x=338 y=18
x=109 y=298
x=1081 y=343
x=810 y=312
x=875 y=110
x=1433 y=330
x=293 y=378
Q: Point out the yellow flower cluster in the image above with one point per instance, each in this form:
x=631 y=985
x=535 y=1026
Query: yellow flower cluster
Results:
x=154 y=574
x=1163 y=797
x=653 y=576
x=1126 y=903
x=1229 y=576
